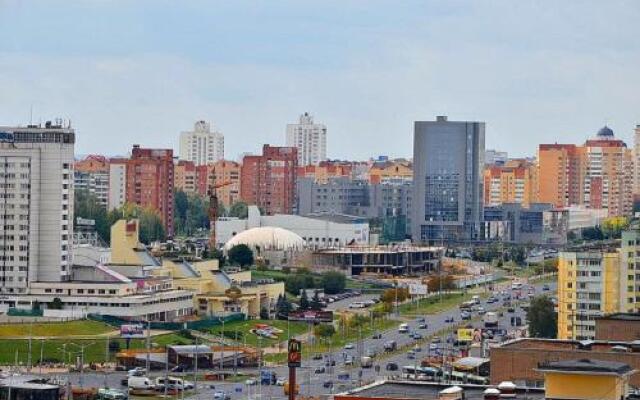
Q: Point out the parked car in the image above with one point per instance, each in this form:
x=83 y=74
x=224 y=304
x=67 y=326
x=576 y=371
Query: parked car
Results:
x=349 y=346
x=449 y=320
x=327 y=384
x=377 y=336
x=465 y=315
x=250 y=382
x=319 y=370
x=422 y=326
x=221 y=395
x=391 y=366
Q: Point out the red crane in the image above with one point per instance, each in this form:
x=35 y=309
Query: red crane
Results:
x=213 y=211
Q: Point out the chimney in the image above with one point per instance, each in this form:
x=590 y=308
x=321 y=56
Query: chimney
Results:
x=441 y=118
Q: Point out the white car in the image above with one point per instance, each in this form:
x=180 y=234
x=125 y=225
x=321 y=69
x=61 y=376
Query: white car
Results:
x=250 y=382
x=281 y=382
x=220 y=395
x=349 y=346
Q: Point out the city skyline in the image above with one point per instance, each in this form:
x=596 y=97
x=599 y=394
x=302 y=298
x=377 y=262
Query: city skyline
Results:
x=253 y=69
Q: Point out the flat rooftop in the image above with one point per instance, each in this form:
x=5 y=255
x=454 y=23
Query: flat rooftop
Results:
x=622 y=317
x=429 y=391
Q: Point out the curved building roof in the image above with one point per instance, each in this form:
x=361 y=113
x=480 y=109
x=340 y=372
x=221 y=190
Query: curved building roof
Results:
x=267 y=238
x=605 y=133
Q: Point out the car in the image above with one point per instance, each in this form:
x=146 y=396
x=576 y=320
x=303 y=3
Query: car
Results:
x=349 y=346
x=449 y=320
x=281 y=382
x=327 y=384
x=221 y=395
x=433 y=346
x=377 y=336
x=251 y=382
x=421 y=319
x=330 y=363
x=465 y=315
x=545 y=288
x=422 y=326
x=411 y=356
x=417 y=336
x=481 y=310
x=317 y=356
x=417 y=349
x=178 y=368
x=137 y=371
x=319 y=370
x=436 y=339
x=391 y=366
x=511 y=310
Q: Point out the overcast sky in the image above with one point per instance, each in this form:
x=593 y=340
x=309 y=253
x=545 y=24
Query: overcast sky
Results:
x=140 y=72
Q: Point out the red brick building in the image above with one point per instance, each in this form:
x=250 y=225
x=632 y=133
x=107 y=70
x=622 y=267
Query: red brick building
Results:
x=269 y=180
x=150 y=182
x=620 y=326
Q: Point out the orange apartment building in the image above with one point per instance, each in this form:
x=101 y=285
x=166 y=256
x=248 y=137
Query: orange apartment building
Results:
x=185 y=176
x=514 y=182
x=325 y=170
x=398 y=170
x=220 y=172
x=269 y=180
x=598 y=174
x=149 y=182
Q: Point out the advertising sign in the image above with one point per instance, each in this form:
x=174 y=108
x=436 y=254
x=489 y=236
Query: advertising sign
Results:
x=417 y=289
x=294 y=356
x=132 y=331
x=465 y=334
x=311 y=316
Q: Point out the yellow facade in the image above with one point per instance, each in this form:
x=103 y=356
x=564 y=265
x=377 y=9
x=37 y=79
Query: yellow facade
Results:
x=390 y=170
x=125 y=246
x=514 y=182
x=589 y=286
x=562 y=385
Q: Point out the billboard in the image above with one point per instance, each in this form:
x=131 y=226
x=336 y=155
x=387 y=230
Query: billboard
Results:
x=417 y=289
x=133 y=331
x=311 y=316
x=469 y=335
x=294 y=355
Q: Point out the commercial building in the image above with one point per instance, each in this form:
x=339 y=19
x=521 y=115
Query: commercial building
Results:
x=380 y=260
x=317 y=230
x=149 y=182
x=36 y=199
x=515 y=181
x=269 y=180
x=201 y=145
x=590 y=284
x=309 y=138
x=597 y=174
x=581 y=217
x=523 y=361
x=540 y=224
x=92 y=175
x=448 y=164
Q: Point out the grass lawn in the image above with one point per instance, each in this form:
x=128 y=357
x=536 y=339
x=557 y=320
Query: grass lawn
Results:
x=276 y=275
x=71 y=328
x=244 y=327
x=95 y=350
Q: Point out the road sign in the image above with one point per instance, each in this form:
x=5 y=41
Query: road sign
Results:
x=294 y=356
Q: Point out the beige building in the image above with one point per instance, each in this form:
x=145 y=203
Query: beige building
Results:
x=514 y=182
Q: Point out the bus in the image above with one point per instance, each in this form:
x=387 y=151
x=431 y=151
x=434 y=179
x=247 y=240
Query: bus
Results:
x=423 y=373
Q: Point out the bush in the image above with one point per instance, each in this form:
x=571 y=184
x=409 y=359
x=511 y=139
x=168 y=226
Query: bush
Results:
x=333 y=282
x=240 y=255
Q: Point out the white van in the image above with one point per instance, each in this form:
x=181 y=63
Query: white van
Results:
x=174 y=383
x=140 y=383
x=403 y=328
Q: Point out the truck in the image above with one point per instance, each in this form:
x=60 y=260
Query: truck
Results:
x=140 y=385
x=490 y=319
x=366 y=362
x=390 y=345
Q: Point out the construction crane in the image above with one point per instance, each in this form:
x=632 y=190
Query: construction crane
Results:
x=213 y=211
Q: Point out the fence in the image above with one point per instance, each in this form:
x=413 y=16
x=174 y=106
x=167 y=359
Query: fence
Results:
x=171 y=326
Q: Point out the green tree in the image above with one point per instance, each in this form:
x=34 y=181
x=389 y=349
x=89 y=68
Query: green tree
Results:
x=240 y=255
x=283 y=307
x=191 y=213
x=612 y=227
x=324 y=331
x=542 y=318
x=264 y=313
x=86 y=205
x=304 y=301
x=316 y=304
x=151 y=228
x=56 y=304
x=239 y=209
x=333 y=282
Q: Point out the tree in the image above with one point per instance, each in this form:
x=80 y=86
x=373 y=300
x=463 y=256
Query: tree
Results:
x=240 y=255
x=304 y=301
x=151 y=228
x=56 y=304
x=437 y=282
x=333 y=282
x=264 y=313
x=389 y=295
x=86 y=205
x=191 y=212
x=302 y=279
x=593 y=233
x=239 y=209
x=324 y=331
x=542 y=318
x=316 y=304
x=283 y=307
x=612 y=227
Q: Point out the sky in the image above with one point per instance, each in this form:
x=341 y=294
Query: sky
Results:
x=128 y=72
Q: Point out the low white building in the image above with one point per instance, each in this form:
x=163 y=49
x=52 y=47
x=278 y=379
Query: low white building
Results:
x=581 y=217
x=317 y=230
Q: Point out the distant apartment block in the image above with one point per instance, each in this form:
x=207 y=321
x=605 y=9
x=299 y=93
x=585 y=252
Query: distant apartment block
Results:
x=448 y=163
x=515 y=181
x=117 y=183
x=202 y=145
x=495 y=157
x=326 y=170
x=636 y=148
x=92 y=174
x=36 y=199
x=224 y=175
x=269 y=180
x=396 y=171
x=598 y=174
x=309 y=138
x=185 y=176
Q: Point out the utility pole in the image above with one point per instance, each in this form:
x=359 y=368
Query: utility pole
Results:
x=148 y=346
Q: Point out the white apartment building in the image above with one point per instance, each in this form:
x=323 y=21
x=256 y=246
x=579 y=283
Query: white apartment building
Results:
x=117 y=183
x=201 y=146
x=310 y=139
x=36 y=205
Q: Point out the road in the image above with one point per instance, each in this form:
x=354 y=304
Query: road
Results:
x=312 y=383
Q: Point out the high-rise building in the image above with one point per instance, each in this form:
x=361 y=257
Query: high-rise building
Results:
x=515 y=181
x=636 y=149
x=149 y=182
x=117 y=182
x=598 y=174
x=92 y=174
x=36 y=199
x=225 y=176
x=269 y=180
x=201 y=145
x=309 y=138
x=448 y=163
x=590 y=285
x=630 y=269
x=185 y=176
